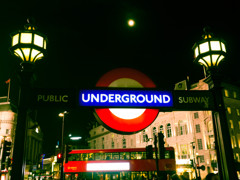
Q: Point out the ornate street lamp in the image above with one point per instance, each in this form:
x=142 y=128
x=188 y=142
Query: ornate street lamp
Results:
x=209 y=52
x=29 y=45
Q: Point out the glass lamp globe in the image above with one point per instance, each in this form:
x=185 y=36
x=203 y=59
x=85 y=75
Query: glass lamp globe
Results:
x=28 y=44
x=210 y=51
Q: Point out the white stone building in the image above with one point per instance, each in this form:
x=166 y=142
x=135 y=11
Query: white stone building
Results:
x=191 y=133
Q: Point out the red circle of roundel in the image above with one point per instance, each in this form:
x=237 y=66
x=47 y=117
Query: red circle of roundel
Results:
x=116 y=123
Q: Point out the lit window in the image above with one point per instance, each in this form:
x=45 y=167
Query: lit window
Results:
x=231 y=124
x=183 y=151
x=124 y=142
x=238 y=140
x=196 y=115
x=199 y=142
x=229 y=110
x=233 y=141
x=226 y=93
x=210 y=126
x=238 y=112
x=169 y=130
x=198 y=130
x=234 y=94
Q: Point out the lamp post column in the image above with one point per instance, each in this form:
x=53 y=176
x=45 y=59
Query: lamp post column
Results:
x=224 y=149
x=19 y=160
x=62 y=144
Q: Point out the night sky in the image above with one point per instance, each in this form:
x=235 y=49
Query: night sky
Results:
x=91 y=37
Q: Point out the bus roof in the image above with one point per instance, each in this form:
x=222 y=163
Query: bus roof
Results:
x=78 y=151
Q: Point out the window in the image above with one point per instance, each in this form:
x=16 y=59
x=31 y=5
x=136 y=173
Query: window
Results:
x=154 y=131
x=229 y=110
x=169 y=130
x=161 y=129
x=234 y=94
x=238 y=112
x=124 y=143
x=145 y=137
x=199 y=142
x=94 y=144
x=198 y=130
x=183 y=148
x=201 y=159
x=196 y=115
x=103 y=143
x=210 y=127
x=231 y=124
x=226 y=93
x=238 y=140
x=112 y=143
x=7 y=131
x=233 y=142
x=124 y=155
x=181 y=129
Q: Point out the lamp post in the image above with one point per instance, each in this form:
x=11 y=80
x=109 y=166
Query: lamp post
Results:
x=62 y=143
x=209 y=52
x=30 y=46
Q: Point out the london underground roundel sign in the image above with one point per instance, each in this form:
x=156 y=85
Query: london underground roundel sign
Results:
x=126 y=120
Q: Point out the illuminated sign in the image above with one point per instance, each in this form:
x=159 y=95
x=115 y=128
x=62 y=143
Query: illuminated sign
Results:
x=125 y=101
x=125 y=98
x=121 y=119
x=121 y=166
x=54 y=97
x=147 y=98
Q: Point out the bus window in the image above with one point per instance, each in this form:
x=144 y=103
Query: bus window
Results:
x=133 y=155
x=115 y=156
x=169 y=155
x=74 y=157
x=99 y=156
x=124 y=155
x=141 y=155
x=84 y=157
x=90 y=156
x=108 y=156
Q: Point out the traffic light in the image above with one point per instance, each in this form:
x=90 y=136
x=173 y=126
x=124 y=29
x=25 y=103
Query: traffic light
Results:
x=6 y=152
x=68 y=150
x=191 y=161
x=59 y=158
x=201 y=167
x=149 y=152
x=161 y=145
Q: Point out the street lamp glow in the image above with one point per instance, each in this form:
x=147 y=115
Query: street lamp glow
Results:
x=62 y=114
x=131 y=22
x=210 y=51
x=28 y=44
x=76 y=138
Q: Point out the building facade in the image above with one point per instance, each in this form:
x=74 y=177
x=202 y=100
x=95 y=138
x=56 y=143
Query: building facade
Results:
x=8 y=122
x=191 y=133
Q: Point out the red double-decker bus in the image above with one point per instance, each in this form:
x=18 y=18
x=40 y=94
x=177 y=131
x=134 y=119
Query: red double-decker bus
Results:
x=117 y=164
